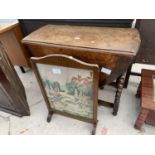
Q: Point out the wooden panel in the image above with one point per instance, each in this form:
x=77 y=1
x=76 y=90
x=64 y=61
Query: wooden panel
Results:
x=10 y=36
x=24 y=50
x=13 y=48
x=116 y=63
x=147 y=98
x=147 y=89
x=30 y=25
x=146 y=52
x=5 y=101
x=13 y=97
x=4 y=27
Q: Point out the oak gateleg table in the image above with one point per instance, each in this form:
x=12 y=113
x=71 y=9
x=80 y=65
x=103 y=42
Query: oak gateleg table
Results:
x=113 y=49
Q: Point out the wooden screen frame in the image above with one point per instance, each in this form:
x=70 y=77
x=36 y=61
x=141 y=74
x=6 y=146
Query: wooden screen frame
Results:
x=68 y=61
x=153 y=82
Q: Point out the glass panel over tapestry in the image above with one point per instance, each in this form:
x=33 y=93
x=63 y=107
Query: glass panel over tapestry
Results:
x=68 y=89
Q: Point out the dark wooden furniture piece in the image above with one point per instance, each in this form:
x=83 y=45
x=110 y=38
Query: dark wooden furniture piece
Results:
x=113 y=49
x=146 y=53
x=53 y=80
x=12 y=93
x=30 y=25
x=147 y=94
x=11 y=36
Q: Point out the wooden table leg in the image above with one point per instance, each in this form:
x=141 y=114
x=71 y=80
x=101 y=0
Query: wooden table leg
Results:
x=138 y=94
x=141 y=118
x=94 y=128
x=120 y=86
x=127 y=76
x=49 y=117
x=22 y=69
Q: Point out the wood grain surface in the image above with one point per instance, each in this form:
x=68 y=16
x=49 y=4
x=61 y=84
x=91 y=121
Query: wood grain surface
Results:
x=116 y=40
x=6 y=26
x=111 y=48
x=147 y=99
